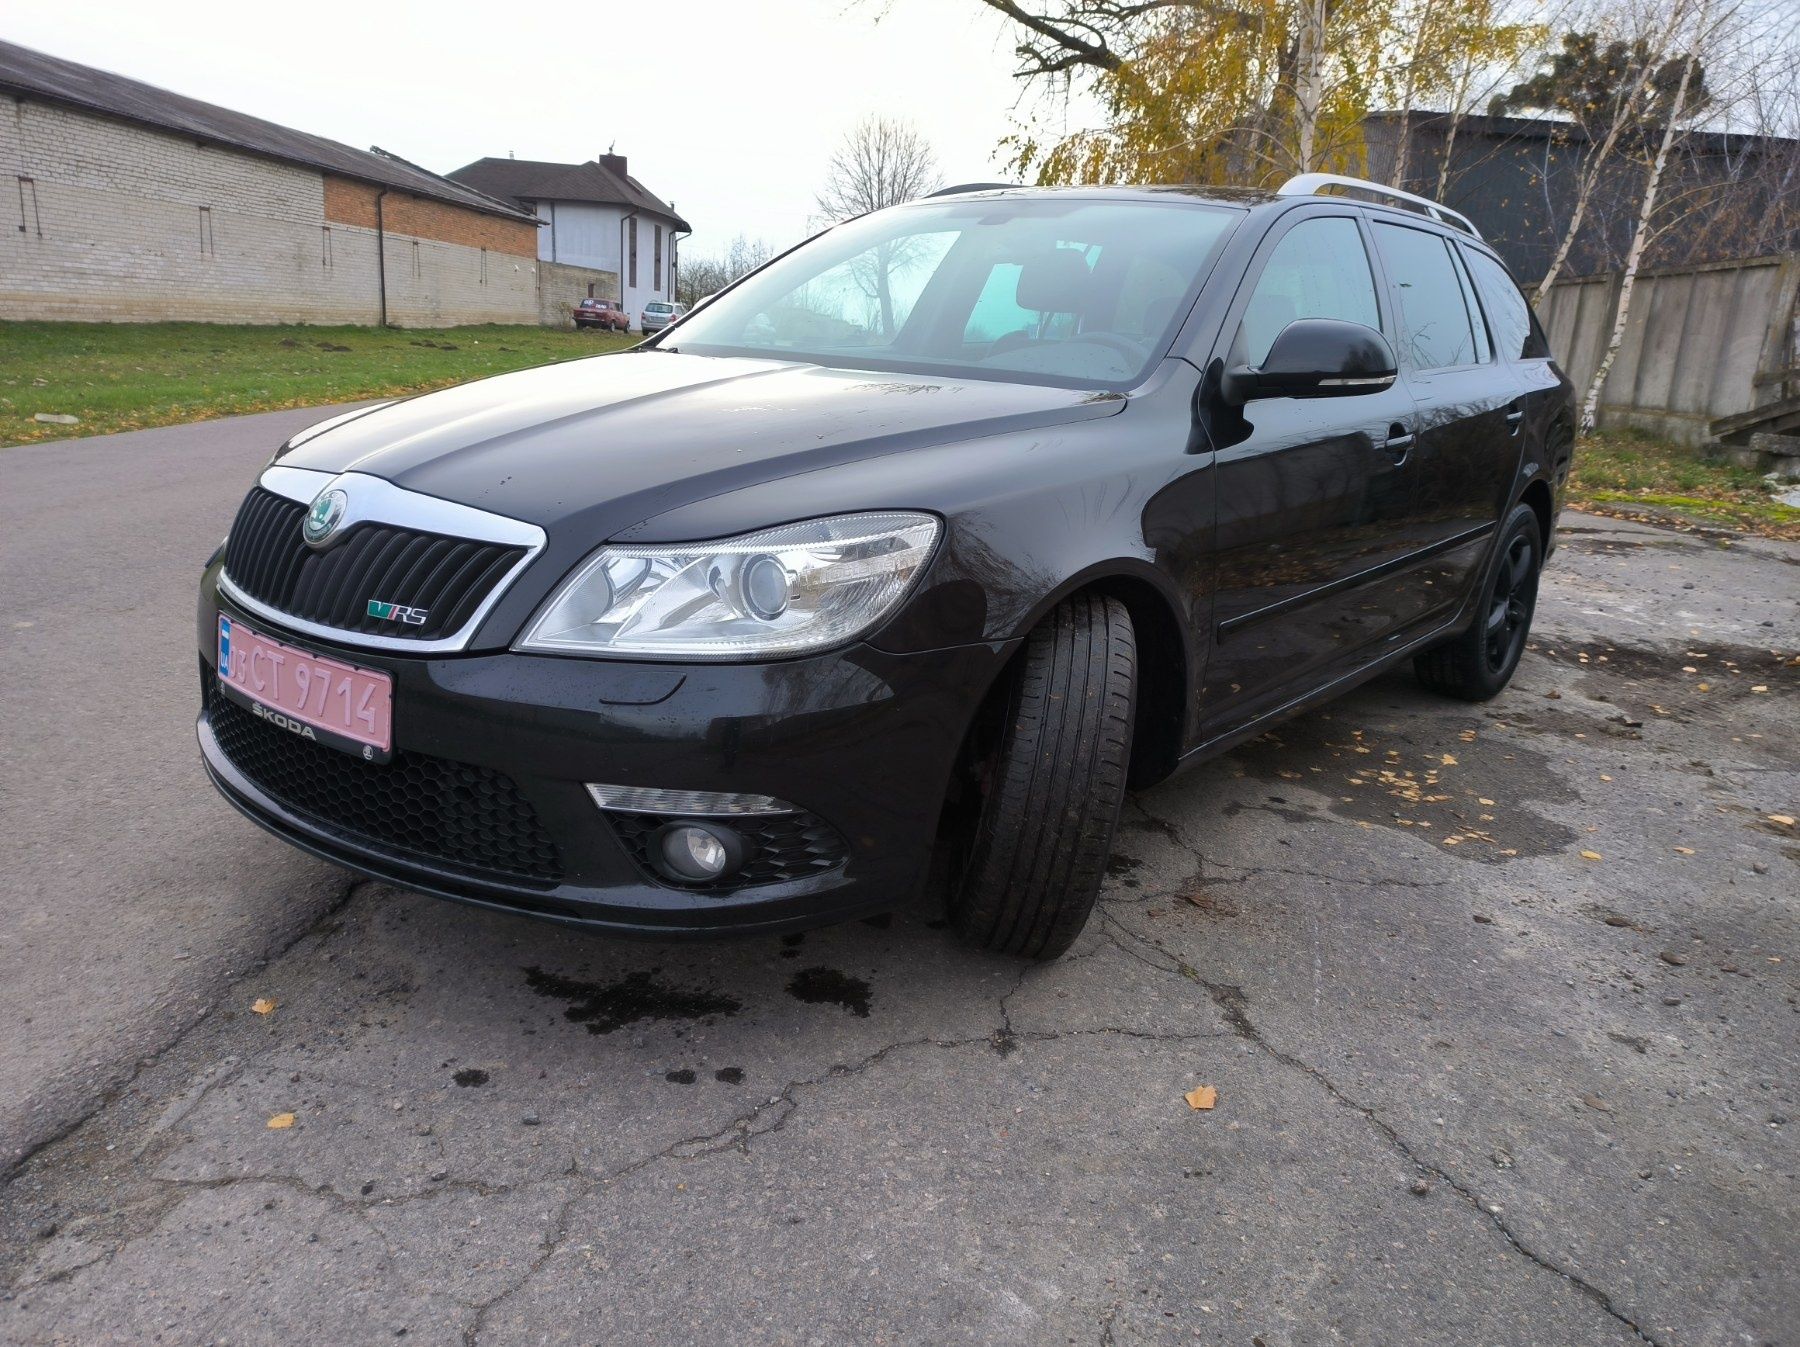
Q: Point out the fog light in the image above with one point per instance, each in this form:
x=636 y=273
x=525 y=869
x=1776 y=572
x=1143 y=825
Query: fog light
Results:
x=697 y=853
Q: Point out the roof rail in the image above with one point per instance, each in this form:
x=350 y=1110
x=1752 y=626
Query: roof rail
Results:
x=962 y=187
x=1308 y=184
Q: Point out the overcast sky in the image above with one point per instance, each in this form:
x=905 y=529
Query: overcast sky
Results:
x=731 y=110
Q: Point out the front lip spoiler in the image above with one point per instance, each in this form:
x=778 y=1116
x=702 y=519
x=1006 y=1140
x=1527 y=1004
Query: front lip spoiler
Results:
x=269 y=815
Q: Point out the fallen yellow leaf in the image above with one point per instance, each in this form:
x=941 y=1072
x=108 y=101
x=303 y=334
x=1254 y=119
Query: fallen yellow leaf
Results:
x=1479 y=800
x=1448 y=760
x=262 y=1005
x=1785 y=820
x=1704 y=687
x=1590 y=855
x=1760 y=687
x=280 y=1121
x=1201 y=1096
x=1684 y=851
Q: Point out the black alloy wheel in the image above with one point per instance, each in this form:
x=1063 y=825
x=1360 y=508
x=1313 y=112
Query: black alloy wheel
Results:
x=1478 y=662
x=1510 y=604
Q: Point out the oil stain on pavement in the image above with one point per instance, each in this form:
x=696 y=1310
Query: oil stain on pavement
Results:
x=604 y=1007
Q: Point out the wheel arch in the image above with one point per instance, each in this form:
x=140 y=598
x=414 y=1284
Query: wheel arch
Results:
x=1166 y=657
x=1542 y=500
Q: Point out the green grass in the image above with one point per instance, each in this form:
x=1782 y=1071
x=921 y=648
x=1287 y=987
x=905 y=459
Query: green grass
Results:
x=127 y=376
x=1627 y=473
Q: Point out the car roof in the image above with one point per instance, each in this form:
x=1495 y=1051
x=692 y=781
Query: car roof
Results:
x=1230 y=196
x=1241 y=197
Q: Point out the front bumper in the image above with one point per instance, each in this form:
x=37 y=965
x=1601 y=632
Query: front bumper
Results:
x=498 y=744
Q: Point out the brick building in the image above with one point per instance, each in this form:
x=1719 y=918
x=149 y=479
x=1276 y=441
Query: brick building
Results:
x=131 y=203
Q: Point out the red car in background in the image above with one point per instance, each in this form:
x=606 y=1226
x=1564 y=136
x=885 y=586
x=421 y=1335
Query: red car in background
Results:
x=607 y=313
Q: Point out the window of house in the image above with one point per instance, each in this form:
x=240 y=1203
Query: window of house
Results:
x=29 y=217
x=1434 y=320
x=631 y=237
x=1320 y=269
x=656 y=260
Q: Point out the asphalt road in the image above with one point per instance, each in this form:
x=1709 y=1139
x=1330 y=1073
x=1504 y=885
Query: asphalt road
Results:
x=1499 y=1004
x=132 y=895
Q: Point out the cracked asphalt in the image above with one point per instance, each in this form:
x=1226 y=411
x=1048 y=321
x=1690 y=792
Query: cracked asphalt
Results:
x=1499 y=1002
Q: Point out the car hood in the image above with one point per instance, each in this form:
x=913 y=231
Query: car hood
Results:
x=598 y=444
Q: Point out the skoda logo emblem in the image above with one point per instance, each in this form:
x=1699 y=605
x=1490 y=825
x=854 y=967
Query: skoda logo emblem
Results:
x=326 y=513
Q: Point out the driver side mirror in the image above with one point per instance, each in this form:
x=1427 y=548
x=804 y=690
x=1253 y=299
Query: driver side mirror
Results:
x=1315 y=358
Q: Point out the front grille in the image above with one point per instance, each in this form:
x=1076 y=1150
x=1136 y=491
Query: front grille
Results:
x=779 y=847
x=447 y=578
x=416 y=807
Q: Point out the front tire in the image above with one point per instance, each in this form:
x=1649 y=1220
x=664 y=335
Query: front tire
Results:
x=1054 y=784
x=1478 y=663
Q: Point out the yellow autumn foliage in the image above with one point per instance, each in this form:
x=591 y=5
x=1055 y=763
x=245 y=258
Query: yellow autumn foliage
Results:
x=1204 y=93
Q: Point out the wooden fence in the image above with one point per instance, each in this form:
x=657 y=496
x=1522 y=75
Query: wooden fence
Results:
x=1710 y=352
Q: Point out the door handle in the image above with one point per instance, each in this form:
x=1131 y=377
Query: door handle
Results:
x=1399 y=442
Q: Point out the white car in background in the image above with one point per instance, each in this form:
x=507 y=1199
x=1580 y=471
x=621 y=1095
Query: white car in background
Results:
x=659 y=314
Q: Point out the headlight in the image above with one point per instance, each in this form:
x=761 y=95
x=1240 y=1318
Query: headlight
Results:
x=783 y=591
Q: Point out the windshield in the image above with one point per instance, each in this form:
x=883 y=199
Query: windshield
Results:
x=1065 y=290
x=660 y=308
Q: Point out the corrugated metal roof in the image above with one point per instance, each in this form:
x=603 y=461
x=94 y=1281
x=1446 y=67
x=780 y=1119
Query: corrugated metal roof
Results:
x=535 y=180
x=35 y=74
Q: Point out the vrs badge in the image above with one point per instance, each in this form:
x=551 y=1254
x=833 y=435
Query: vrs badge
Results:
x=397 y=612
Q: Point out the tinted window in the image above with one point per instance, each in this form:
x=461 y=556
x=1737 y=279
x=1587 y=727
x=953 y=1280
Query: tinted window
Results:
x=1507 y=311
x=1434 y=323
x=1318 y=270
x=1050 y=289
x=1484 y=349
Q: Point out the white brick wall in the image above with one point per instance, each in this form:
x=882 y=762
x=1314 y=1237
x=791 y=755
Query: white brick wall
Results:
x=117 y=233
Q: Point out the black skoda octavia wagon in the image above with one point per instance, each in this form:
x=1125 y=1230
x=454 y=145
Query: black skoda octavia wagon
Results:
x=931 y=536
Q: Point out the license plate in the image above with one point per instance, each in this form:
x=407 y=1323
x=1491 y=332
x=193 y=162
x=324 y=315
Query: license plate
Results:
x=323 y=700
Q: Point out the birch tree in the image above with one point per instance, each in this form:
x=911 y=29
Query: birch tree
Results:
x=1451 y=56
x=1608 y=86
x=1694 y=28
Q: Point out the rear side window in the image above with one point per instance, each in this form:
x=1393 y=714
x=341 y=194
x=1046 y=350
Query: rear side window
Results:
x=1434 y=322
x=1515 y=334
x=1484 y=347
x=1320 y=269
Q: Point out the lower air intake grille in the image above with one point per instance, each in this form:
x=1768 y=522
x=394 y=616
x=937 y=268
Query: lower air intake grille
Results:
x=448 y=814
x=779 y=847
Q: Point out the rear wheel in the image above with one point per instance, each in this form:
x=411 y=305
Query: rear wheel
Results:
x=1476 y=664
x=1051 y=785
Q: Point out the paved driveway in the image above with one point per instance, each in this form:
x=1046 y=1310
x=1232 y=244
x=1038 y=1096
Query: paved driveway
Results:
x=1499 y=1004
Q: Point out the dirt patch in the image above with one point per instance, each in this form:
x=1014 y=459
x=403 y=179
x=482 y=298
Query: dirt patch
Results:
x=1697 y=682
x=1467 y=794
